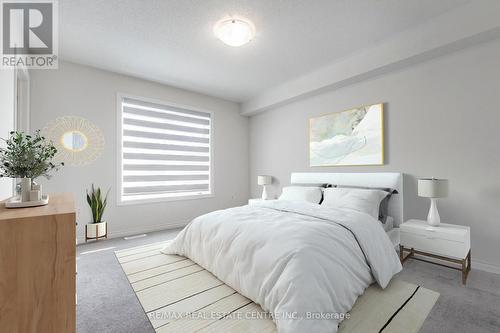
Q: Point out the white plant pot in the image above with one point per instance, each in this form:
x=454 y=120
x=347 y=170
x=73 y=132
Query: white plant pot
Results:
x=96 y=230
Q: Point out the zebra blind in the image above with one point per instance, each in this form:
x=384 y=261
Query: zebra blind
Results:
x=165 y=151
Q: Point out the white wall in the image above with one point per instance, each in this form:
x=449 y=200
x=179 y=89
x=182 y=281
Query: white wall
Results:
x=442 y=119
x=91 y=93
x=7 y=105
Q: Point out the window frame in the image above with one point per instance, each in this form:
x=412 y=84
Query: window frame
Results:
x=119 y=152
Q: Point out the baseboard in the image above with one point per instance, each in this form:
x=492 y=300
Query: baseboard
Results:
x=482 y=266
x=141 y=230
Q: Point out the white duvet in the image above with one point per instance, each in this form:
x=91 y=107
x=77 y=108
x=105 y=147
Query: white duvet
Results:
x=304 y=263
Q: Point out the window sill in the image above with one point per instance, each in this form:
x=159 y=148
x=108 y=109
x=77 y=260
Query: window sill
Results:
x=159 y=200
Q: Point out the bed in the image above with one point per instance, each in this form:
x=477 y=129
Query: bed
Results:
x=298 y=260
x=392 y=180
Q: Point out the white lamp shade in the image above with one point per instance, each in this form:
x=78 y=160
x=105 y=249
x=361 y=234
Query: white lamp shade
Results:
x=432 y=188
x=264 y=180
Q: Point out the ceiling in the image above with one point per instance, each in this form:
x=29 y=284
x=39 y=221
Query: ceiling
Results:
x=172 y=42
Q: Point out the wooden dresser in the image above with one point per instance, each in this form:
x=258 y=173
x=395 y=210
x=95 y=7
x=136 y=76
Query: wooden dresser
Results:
x=37 y=267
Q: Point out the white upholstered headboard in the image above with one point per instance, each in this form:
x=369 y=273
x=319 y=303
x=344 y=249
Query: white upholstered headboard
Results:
x=393 y=180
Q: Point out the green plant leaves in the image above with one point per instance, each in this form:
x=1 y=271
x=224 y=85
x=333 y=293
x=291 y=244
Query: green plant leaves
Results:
x=97 y=203
x=27 y=156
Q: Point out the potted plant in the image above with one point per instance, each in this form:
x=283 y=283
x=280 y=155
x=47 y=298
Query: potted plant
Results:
x=27 y=157
x=97 y=203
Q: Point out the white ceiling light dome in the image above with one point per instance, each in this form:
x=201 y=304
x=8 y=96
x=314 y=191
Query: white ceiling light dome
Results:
x=234 y=31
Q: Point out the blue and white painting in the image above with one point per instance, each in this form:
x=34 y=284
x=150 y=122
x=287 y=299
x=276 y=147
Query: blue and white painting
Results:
x=352 y=137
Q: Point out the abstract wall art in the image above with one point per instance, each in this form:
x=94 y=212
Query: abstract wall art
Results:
x=352 y=137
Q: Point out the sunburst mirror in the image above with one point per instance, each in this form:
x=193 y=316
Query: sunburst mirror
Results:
x=78 y=141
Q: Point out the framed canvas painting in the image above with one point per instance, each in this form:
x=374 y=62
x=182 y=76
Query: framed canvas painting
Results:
x=352 y=137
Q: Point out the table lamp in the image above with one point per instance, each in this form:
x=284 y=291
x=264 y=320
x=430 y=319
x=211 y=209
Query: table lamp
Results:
x=433 y=188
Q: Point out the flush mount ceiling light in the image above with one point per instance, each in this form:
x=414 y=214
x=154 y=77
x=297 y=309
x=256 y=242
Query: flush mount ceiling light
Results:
x=234 y=31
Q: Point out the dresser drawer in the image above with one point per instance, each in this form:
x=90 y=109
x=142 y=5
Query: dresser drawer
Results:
x=435 y=244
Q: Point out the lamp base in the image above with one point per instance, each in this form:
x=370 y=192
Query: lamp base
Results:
x=433 y=217
x=264 y=193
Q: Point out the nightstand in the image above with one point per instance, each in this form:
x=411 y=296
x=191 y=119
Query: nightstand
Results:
x=446 y=242
x=256 y=200
x=252 y=201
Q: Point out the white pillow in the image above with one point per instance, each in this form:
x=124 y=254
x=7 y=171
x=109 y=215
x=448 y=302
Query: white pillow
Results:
x=302 y=193
x=362 y=200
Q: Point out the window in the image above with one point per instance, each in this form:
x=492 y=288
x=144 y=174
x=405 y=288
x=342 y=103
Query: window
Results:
x=165 y=151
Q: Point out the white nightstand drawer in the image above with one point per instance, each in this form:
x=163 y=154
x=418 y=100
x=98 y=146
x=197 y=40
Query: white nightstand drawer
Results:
x=435 y=244
x=257 y=200
x=443 y=231
x=437 y=232
x=254 y=201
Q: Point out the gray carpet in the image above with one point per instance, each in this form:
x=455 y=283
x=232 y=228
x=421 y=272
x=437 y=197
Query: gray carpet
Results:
x=106 y=302
x=473 y=308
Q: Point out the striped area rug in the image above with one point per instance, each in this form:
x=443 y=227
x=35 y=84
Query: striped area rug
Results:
x=180 y=296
